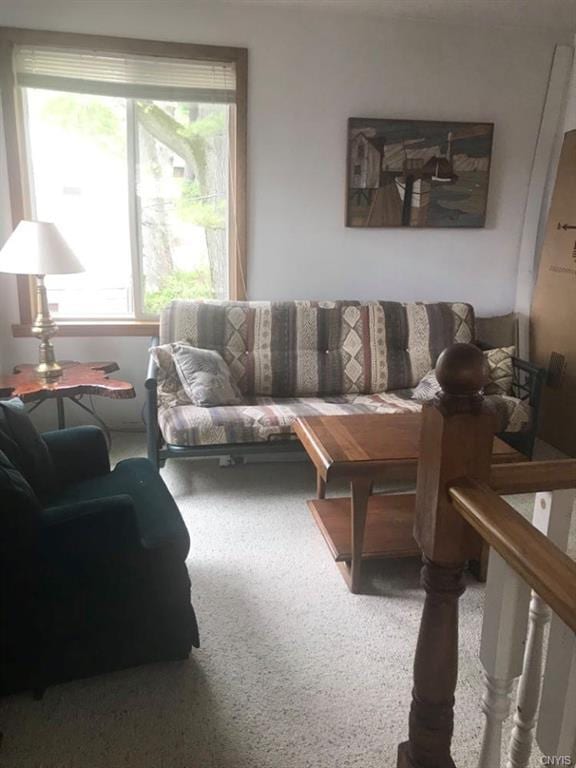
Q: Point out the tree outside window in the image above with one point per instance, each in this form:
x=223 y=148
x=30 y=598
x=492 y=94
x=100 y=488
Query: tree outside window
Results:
x=140 y=188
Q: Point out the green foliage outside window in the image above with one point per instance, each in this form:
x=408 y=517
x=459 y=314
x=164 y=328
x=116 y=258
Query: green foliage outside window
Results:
x=194 y=135
x=90 y=117
x=201 y=210
x=180 y=285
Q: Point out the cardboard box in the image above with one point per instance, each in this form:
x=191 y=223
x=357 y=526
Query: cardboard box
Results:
x=553 y=317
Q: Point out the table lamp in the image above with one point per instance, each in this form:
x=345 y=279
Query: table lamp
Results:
x=38 y=248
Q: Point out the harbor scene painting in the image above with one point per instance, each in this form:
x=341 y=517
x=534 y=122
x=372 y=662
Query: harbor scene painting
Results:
x=417 y=173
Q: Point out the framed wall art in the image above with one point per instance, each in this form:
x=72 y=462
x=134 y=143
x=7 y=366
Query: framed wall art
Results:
x=417 y=173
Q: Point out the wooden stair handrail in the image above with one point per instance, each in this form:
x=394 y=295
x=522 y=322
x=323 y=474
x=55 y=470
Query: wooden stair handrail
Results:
x=533 y=476
x=452 y=516
x=548 y=570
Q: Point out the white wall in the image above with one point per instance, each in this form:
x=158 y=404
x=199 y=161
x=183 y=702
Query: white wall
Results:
x=308 y=72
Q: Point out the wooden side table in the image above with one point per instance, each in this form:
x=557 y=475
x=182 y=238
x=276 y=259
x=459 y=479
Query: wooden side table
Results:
x=77 y=379
x=362 y=450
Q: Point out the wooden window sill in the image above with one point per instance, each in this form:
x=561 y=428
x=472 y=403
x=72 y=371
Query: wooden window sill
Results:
x=96 y=328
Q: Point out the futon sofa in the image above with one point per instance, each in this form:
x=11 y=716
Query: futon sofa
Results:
x=300 y=358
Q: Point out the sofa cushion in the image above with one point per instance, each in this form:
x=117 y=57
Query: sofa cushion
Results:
x=264 y=418
x=307 y=348
x=25 y=448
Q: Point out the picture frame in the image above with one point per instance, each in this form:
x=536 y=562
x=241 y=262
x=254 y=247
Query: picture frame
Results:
x=417 y=173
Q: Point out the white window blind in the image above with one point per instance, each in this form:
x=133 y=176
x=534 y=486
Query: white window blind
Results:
x=130 y=76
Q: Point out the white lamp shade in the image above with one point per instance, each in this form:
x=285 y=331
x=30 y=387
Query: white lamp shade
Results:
x=38 y=248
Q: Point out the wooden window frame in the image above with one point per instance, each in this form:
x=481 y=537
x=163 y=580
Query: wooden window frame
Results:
x=19 y=192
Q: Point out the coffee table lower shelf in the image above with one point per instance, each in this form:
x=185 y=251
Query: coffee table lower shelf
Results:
x=388 y=531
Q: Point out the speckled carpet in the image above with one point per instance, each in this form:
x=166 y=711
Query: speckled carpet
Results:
x=294 y=671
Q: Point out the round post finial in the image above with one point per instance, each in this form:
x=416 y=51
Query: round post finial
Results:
x=461 y=370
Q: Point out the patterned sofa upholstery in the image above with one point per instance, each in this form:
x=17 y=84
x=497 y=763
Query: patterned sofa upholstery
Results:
x=299 y=358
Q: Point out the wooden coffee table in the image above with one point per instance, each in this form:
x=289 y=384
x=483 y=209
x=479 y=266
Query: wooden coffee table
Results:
x=364 y=449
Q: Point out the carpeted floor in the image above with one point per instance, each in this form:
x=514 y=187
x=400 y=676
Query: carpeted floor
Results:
x=294 y=671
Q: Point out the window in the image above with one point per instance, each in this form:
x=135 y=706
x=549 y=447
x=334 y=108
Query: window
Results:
x=78 y=165
x=139 y=158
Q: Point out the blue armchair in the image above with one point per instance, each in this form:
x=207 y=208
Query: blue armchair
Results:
x=92 y=561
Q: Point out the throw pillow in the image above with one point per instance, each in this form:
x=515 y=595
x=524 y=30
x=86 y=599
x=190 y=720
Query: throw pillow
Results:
x=205 y=377
x=427 y=389
x=168 y=379
x=25 y=448
x=500 y=370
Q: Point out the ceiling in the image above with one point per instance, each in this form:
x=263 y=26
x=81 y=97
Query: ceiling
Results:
x=535 y=14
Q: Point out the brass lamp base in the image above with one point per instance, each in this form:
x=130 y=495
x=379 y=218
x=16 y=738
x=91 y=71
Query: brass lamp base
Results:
x=49 y=371
x=44 y=328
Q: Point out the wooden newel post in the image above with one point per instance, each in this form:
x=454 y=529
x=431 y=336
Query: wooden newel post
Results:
x=456 y=441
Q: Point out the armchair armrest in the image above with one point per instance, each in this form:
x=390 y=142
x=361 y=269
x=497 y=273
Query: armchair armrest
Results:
x=87 y=529
x=528 y=381
x=528 y=378
x=527 y=384
x=152 y=367
x=78 y=453
x=153 y=437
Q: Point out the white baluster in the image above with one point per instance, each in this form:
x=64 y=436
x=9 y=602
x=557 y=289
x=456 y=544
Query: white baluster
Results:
x=496 y=707
x=501 y=650
x=556 y=730
x=552 y=514
x=529 y=687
